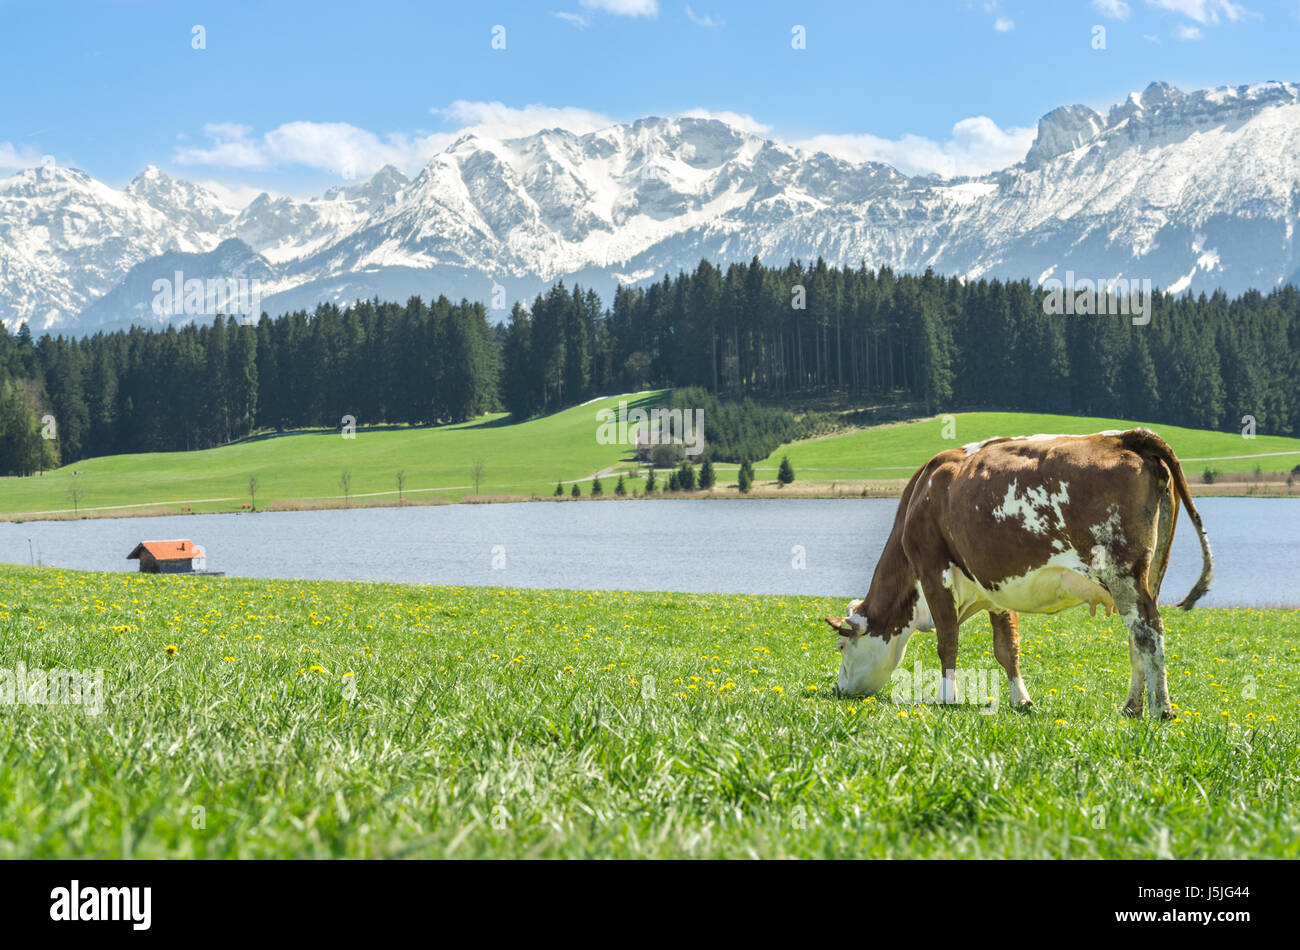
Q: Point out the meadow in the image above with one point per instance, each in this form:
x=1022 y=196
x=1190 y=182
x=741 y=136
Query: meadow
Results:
x=251 y=718
x=526 y=460
x=304 y=468
x=898 y=449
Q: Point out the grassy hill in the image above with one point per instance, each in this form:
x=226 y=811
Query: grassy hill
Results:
x=294 y=719
x=898 y=449
x=304 y=468
x=528 y=458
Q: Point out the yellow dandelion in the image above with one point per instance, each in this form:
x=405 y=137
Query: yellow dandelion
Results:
x=171 y=649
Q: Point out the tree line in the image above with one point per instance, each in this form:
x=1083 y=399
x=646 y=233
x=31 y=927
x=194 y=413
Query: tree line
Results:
x=778 y=336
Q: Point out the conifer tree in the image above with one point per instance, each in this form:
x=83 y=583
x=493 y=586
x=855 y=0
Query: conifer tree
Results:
x=686 y=477
x=745 y=478
x=707 y=476
x=785 y=475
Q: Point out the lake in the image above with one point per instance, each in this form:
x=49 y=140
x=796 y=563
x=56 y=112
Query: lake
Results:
x=761 y=546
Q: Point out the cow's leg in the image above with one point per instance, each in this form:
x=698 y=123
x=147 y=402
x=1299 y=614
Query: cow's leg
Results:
x=1147 y=638
x=1006 y=647
x=944 y=613
x=1137 y=684
x=1151 y=647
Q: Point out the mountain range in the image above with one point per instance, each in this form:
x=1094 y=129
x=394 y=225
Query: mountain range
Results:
x=1193 y=190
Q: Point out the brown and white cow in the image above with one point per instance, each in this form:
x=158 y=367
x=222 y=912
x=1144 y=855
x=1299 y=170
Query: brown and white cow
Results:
x=1034 y=524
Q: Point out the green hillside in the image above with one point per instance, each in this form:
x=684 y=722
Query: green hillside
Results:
x=518 y=459
x=895 y=451
x=528 y=458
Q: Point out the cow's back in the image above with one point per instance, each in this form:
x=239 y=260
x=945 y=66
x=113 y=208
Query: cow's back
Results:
x=1008 y=507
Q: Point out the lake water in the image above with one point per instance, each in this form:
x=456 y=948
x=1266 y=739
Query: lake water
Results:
x=705 y=546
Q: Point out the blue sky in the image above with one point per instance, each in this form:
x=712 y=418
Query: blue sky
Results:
x=292 y=97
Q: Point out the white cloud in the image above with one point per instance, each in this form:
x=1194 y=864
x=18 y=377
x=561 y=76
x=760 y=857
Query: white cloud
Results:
x=698 y=20
x=235 y=196
x=349 y=151
x=498 y=120
x=335 y=147
x=1205 y=12
x=977 y=146
x=345 y=147
x=230 y=146
x=994 y=9
x=648 y=8
x=24 y=157
x=577 y=19
x=1186 y=31
x=1112 y=9
x=746 y=123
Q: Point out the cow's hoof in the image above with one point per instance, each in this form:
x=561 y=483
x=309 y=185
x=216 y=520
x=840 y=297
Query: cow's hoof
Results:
x=1026 y=705
x=1133 y=712
x=1166 y=714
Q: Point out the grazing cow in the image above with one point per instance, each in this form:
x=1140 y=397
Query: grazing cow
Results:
x=1033 y=524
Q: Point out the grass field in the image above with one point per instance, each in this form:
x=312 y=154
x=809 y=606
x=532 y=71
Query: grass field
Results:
x=897 y=450
x=521 y=459
x=527 y=459
x=357 y=720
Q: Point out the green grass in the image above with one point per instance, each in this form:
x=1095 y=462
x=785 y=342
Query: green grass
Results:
x=493 y=722
x=897 y=450
x=519 y=459
x=528 y=458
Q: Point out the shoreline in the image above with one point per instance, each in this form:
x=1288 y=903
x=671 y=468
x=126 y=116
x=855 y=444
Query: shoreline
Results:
x=1171 y=605
x=885 y=488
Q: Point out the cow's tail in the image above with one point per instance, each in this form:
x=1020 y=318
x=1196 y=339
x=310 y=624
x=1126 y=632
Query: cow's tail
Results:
x=1149 y=445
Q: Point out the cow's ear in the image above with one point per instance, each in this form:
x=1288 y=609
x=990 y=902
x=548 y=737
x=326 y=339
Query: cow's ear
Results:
x=841 y=626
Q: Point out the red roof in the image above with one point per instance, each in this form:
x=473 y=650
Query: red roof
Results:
x=184 y=550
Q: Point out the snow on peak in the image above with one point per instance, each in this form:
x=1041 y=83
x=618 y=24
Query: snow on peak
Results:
x=1063 y=130
x=1195 y=189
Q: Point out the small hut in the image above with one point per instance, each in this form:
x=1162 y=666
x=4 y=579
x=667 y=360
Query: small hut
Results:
x=167 y=557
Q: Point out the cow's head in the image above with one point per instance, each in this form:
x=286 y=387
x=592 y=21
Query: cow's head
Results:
x=867 y=658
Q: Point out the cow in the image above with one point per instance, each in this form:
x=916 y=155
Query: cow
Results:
x=1033 y=524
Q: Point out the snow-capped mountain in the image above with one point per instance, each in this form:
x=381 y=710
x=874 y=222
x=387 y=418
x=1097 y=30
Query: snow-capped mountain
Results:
x=67 y=240
x=1193 y=190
